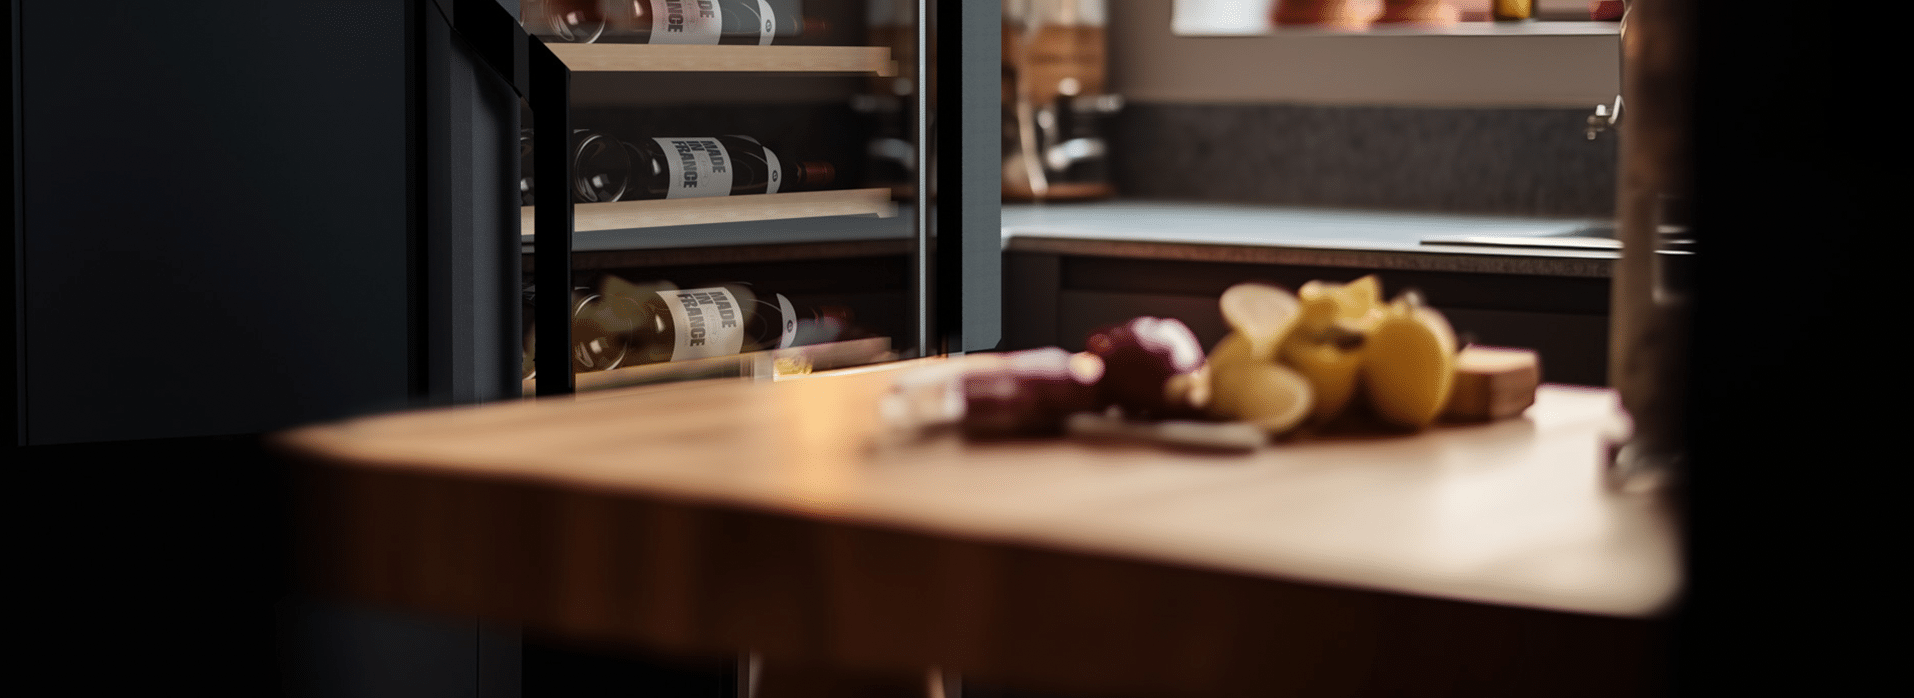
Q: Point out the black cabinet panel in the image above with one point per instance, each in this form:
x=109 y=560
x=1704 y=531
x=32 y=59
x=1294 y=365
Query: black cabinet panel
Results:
x=213 y=216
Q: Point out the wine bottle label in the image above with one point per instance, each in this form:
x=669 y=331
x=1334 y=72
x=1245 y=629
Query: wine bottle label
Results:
x=686 y=21
x=789 y=331
x=708 y=322
x=698 y=167
x=702 y=22
x=767 y=23
x=775 y=171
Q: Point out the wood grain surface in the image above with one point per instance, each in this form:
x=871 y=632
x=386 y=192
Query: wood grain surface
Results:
x=784 y=517
x=656 y=213
x=874 y=60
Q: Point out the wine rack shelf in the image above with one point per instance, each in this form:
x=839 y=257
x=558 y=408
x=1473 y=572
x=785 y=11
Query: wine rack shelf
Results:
x=875 y=60
x=774 y=364
x=659 y=213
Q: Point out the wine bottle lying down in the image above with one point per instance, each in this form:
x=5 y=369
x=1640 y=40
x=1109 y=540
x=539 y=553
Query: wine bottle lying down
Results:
x=629 y=325
x=684 y=168
x=606 y=169
x=707 y=22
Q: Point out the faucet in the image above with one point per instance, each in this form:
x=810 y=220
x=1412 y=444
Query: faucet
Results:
x=1605 y=116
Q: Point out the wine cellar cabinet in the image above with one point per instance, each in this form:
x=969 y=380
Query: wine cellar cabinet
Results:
x=832 y=246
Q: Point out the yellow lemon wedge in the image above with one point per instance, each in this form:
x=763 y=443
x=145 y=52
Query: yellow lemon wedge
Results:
x=1408 y=363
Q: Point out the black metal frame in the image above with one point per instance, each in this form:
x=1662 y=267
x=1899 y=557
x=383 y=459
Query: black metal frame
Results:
x=544 y=82
x=968 y=220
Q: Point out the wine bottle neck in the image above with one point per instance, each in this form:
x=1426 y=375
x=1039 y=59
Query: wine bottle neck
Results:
x=814 y=174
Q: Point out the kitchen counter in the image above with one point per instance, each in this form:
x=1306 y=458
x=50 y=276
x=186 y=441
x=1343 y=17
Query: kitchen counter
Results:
x=1214 y=232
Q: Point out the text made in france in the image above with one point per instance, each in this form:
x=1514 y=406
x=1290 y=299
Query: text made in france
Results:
x=697 y=307
x=687 y=153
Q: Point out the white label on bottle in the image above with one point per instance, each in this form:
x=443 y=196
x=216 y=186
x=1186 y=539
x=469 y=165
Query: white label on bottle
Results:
x=698 y=167
x=775 y=174
x=767 y=23
x=789 y=332
x=708 y=322
x=686 y=21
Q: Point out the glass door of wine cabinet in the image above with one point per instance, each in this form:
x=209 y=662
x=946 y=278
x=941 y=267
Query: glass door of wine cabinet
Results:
x=749 y=188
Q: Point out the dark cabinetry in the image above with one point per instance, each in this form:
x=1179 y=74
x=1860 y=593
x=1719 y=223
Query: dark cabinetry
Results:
x=1059 y=298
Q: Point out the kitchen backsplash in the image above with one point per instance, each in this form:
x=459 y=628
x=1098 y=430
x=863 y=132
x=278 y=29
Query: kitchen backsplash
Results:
x=1519 y=161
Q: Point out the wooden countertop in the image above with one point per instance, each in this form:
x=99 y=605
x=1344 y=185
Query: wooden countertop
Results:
x=733 y=512
x=1512 y=512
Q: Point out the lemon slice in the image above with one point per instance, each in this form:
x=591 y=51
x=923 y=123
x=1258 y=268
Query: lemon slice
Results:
x=1261 y=314
x=1268 y=395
